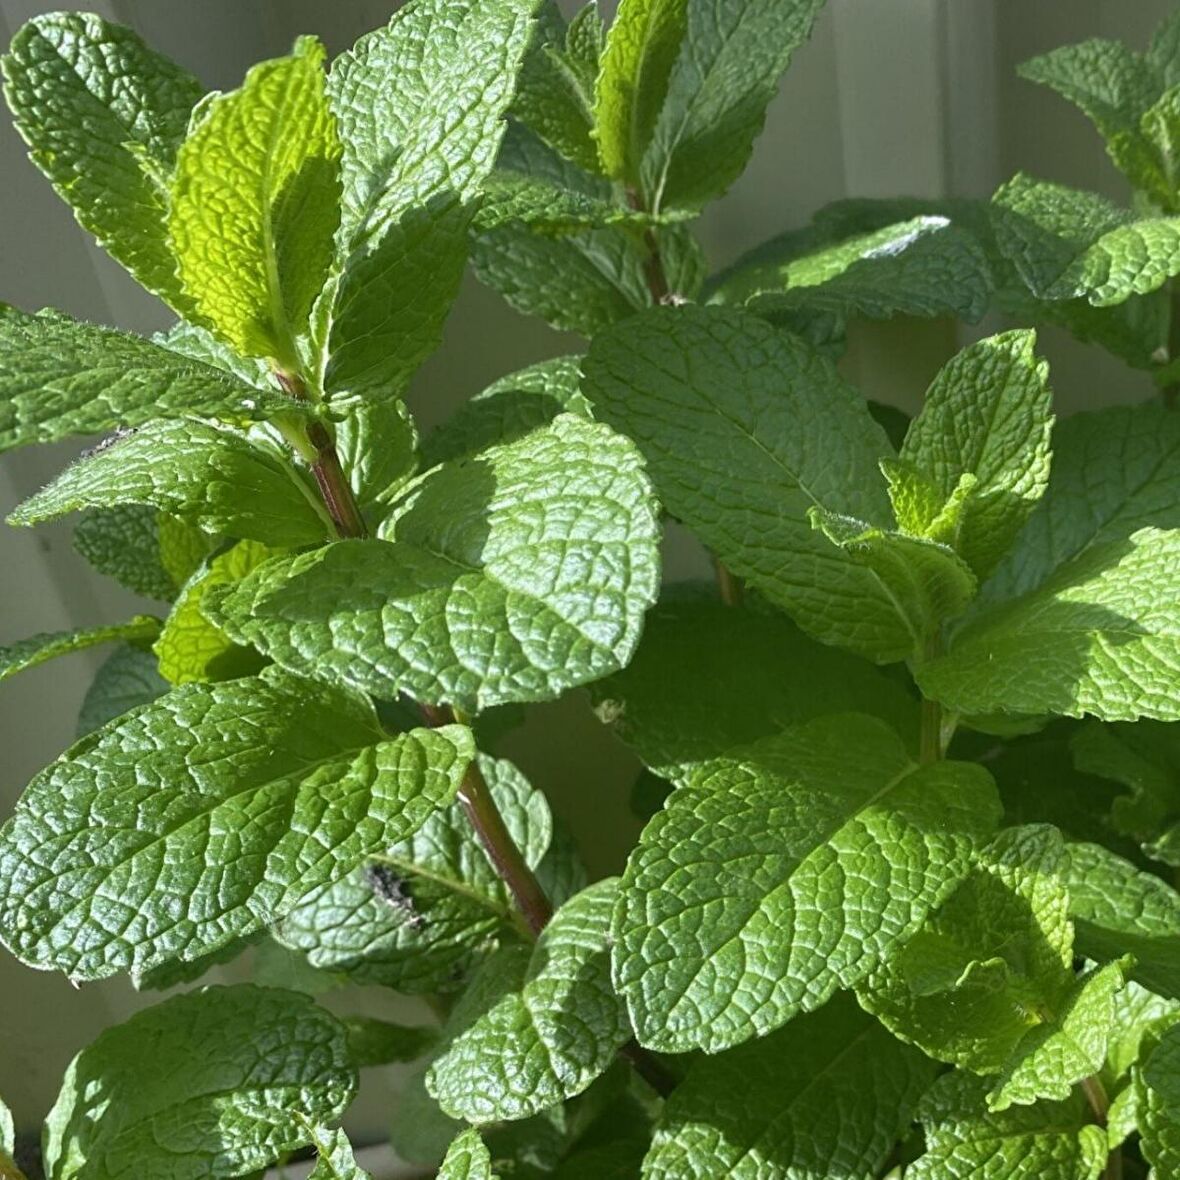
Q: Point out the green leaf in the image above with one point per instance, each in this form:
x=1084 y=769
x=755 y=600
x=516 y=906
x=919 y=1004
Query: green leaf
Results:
x=509 y=409
x=1047 y=1141
x=182 y=547
x=212 y=478
x=926 y=266
x=745 y=902
x=103 y=116
x=420 y=106
x=555 y=90
x=239 y=798
x=255 y=205
x=1145 y=758
x=1101 y=636
x=127 y=679
x=418 y=917
x=1159 y=1100
x=1114 y=471
x=1067 y=244
x=511 y=577
x=831 y=1085
x=378 y=1042
x=467 y=1159
x=124 y=543
x=334 y=1158
x=987 y=414
x=525 y=1054
x=708 y=677
x=642 y=46
x=990 y=965
x=190 y=647
x=546 y=206
x=377 y=443
x=214 y=1083
x=727 y=71
x=715 y=398
x=60 y=377
x=37 y=649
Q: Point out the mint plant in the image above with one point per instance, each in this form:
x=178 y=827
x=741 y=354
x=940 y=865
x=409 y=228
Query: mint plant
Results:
x=903 y=905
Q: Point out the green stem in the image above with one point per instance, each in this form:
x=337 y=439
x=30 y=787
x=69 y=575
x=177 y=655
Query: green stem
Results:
x=930 y=747
x=1171 y=393
x=315 y=444
x=1095 y=1093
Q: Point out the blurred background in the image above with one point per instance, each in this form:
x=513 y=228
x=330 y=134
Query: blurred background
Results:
x=890 y=97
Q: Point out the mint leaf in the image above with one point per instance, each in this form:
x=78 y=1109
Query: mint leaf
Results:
x=1114 y=471
x=378 y=1042
x=1102 y=636
x=509 y=409
x=467 y=1159
x=126 y=679
x=191 y=648
x=833 y=808
x=1158 y=1090
x=60 y=377
x=987 y=414
x=723 y=442
x=334 y=1158
x=420 y=105
x=831 y=1085
x=1145 y=758
x=215 y=479
x=103 y=116
x=1068 y=244
x=524 y=1055
x=925 y=266
x=210 y=1083
x=708 y=677
x=377 y=443
x=105 y=839
x=28 y=653
x=255 y=206
x=724 y=77
x=124 y=543
x=990 y=965
x=422 y=913
x=1047 y=1141
x=642 y=46
x=508 y=578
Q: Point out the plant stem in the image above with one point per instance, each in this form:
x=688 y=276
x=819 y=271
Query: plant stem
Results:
x=930 y=736
x=1171 y=392
x=526 y=890
x=653 y=265
x=320 y=452
x=729 y=584
x=1095 y=1093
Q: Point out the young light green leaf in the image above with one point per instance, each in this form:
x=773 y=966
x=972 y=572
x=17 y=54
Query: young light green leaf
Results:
x=467 y=1159
x=509 y=409
x=1158 y=1090
x=107 y=839
x=1068 y=244
x=124 y=543
x=1101 y=637
x=127 y=679
x=1114 y=471
x=987 y=414
x=715 y=397
x=990 y=964
x=745 y=901
x=524 y=1054
x=214 y=1083
x=28 y=653
x=1056 y=1055
x=420 y=106
x=103 y=116
x=212 y=478
x=1145 y=758
x=255 y=205
x=726 y=73
x=511 y=577
x=1046 y=1141
x=707 y=678
x=334 y=1158
x=925 y=266
x=831 y=1085
x=60 y=377
x=425 y=911
x=191 y=648
x=642 y=46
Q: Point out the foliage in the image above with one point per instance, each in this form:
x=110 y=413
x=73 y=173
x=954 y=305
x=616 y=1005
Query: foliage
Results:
x=903 y=902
